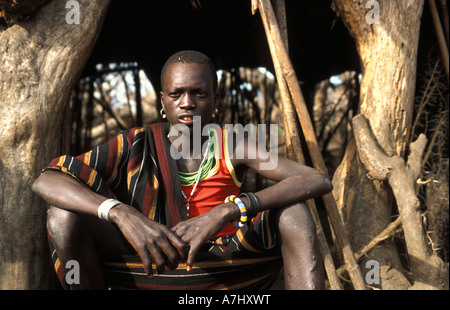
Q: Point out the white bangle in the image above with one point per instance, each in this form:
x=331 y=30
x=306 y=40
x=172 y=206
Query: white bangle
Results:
x=105 y=207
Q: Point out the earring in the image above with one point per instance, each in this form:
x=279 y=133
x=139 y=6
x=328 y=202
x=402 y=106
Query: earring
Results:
x=162 y=113
x=214 y=114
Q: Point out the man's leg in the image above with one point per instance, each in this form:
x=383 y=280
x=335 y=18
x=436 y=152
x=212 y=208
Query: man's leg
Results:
x=85 y=239
x=303 y=267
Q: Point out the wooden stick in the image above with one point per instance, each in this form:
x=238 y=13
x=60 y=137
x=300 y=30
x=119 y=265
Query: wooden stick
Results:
x=293 y=138
x=273 y=34
x=434 y=137
x=386 y=233
x=423 y=101
x=444 y=11
x=429 y=270
x=291 y=127
x=440 y=35
x=330 y=268
x=280 y=14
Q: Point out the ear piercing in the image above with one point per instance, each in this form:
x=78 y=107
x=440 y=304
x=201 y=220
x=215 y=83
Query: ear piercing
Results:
x=214 y=114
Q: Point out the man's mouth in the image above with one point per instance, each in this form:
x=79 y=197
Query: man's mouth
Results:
x=186 y=118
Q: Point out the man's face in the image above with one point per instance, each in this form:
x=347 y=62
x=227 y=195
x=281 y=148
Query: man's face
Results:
x=188 y=92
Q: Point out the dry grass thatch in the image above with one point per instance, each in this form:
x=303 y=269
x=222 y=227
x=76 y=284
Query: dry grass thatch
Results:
x=13 y=11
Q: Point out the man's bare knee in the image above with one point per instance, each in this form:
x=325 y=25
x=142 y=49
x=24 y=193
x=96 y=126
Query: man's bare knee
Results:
x=301 y=257
x=294 y=220
x=61 y=225
x=72 y=237
x=59 y=220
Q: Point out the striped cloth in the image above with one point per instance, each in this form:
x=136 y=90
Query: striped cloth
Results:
x=136 y=168
x=210 y=272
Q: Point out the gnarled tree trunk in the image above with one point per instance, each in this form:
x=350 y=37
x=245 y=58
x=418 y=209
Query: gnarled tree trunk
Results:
x=41 y=59
x=388 y=51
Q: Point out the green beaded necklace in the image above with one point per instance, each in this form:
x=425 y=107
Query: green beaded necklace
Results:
x=189 y=178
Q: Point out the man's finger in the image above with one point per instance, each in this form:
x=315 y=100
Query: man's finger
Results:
x=147 y=262
x=159 y=259
x=171 y=255
x=179 y=244
x=191 y=257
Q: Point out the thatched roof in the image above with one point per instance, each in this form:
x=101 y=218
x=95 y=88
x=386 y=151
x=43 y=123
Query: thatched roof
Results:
x=149 y=32
x=13 y=11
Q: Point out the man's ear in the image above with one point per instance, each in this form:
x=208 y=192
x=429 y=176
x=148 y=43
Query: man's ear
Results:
x=161 y=94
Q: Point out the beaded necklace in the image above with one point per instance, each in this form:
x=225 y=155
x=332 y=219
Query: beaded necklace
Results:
x=189 y=178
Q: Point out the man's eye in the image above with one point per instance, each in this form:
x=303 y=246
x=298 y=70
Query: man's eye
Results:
x=202 y=94
x=174 y=94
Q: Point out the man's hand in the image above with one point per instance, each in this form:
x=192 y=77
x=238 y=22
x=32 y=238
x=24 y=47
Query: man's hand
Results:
x=198 y=230
x=149 y=238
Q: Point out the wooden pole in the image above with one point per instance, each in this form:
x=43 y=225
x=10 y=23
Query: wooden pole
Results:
x=290 y=120
x=292 y=131
x=288 y=74
x=385 y=234
x=444 y=11
x=440 y=35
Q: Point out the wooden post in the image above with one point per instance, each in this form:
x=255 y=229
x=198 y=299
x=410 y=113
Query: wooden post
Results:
x=288 y=74
x=440 y=35
x=290 y=120
x=292 y=131
x=42 y=58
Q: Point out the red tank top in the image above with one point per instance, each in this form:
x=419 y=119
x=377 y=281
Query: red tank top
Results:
x=220 y=182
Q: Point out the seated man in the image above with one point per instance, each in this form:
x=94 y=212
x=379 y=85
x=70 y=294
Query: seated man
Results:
x=135 y=197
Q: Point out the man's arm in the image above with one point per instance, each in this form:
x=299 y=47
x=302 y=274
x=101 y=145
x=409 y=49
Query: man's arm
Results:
x=295 y=183
x=147 y=237
x=63 y=191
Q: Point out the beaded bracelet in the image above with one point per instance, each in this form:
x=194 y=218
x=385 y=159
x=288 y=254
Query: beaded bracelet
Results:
x=253 y=204
x=242 y=209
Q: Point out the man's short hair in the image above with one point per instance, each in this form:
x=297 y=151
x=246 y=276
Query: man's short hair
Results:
x=189 y=56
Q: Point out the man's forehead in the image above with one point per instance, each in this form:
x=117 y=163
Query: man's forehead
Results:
x=182 y=72
x=184 y=66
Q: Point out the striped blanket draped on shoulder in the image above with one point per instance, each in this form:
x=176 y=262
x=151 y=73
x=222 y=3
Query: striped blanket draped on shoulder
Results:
x=136 y=168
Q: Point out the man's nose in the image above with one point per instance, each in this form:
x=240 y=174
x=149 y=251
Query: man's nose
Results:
x=188 y=101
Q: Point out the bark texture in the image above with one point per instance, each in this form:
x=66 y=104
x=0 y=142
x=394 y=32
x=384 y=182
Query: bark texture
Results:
x=41 y=59
x=429 y=271
x=388 y=51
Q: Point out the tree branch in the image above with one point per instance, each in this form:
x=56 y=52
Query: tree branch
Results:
x=414 y=162
x=427 y=267
x=377 y=163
